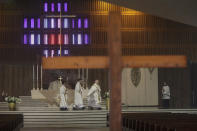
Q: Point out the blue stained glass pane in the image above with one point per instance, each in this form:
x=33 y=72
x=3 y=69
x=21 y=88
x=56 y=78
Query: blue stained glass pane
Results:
x=65 y=23
x=46 y=53
x=45 y=23
x=73 y=39
x=65 y=52
x=38 y=39
x=52 y=23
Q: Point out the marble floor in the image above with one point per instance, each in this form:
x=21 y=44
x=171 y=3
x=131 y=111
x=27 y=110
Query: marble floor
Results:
x=64 y=129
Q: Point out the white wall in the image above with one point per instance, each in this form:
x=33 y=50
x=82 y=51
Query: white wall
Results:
x=145 y=94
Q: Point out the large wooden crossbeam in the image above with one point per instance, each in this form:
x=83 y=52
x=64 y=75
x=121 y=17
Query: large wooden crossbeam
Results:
x=75 y=62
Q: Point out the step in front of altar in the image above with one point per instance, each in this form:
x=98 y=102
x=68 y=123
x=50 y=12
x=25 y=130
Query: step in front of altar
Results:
x=86 y=118
x=65 y=119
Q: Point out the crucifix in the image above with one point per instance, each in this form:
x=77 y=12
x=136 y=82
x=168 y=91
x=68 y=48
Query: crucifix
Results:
x=60 y=79
x=114 y=62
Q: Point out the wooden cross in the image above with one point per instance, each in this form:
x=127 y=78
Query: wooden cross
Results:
x=115 y=62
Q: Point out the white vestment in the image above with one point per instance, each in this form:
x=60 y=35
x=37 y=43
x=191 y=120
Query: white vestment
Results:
x=166 y=92
x=94 y=96
x=78 y=95
x=63 y=97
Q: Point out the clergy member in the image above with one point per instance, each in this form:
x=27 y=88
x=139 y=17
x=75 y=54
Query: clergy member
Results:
x=94 y=96
x=165 y=95
x=78 y=102
x=63 y=97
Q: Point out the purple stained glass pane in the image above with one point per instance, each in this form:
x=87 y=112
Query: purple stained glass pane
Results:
x=58 y=7
x=38 y=23
x=52 y=7
x=25 y=38
x=73 y=23
x=65 y=7
x=86 y=38
x=85 y=23
x=79 y=23
x=45 y=7
x=25 y=22
x=32 y=22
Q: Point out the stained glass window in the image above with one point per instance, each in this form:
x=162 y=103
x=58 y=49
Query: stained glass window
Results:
x=79 y=23
x=52 y=39
x=46 y=53
x=65 y=7
x=86 y=38
x=25 y=22
x=52 y=7
x=45 y=39
x=32 y=39
x=65 y=23
x=58 y=23
x=58 y=7
x=73 y=23
x=65 y=52
x=73 y=39
x=38 y=39
x=45 y=7
x=25 y=38
x=85 y=23
x=79 y=39
x=59 y=39
x=45 y=29
x=66 y=39
x=45 y=23
x=38 y=23
x=32 y=22
x=52 y=53
x=52 y=23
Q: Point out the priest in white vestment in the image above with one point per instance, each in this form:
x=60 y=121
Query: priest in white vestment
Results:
x=165 y=95
x=94 y=96
x=78 y=102
x=63 y=98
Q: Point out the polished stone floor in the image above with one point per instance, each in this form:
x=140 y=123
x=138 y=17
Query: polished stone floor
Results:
x=64 y=129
